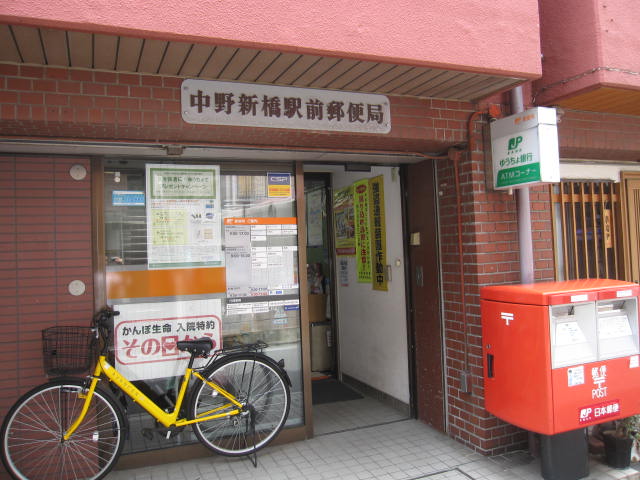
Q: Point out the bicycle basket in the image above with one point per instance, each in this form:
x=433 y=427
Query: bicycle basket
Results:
x=67 y=350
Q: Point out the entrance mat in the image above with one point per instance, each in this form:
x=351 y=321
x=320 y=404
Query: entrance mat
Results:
x=331 y=390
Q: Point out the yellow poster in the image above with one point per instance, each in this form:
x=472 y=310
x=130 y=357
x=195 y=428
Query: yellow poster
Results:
x=169 y=227
x=363 y=233
x=378 y=233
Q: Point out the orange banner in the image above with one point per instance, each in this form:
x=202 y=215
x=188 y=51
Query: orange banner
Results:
x=260 y=221
x=165 y=283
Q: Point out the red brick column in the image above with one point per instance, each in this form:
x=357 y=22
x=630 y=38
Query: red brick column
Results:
x=490 y=256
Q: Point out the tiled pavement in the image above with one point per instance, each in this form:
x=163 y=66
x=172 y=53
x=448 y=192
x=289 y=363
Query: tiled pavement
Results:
x=349 y=445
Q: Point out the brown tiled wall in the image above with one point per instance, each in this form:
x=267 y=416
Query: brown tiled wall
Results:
x=45 y=243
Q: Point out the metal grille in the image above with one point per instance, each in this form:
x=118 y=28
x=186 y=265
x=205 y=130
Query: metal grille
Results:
x=585 y=220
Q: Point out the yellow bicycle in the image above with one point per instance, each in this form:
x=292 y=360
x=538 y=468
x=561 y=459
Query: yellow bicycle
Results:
x=72 y=428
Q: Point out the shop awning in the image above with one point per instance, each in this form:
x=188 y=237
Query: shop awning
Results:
x=72 y=49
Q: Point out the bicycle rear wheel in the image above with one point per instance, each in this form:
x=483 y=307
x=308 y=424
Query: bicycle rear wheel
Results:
x=32 y=445
x=260 y=386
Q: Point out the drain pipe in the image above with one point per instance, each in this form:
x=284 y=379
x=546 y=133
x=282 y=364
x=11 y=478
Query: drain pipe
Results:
x=455 y=156
x=525 y=238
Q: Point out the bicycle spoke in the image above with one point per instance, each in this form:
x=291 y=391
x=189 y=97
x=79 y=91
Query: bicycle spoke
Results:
x=32 y=432
x=264 y=394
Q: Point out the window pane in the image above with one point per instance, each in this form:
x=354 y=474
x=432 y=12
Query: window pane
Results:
x=182 y=265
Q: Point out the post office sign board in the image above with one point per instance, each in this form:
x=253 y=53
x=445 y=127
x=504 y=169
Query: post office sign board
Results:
x=211 y=102
x=524 y=149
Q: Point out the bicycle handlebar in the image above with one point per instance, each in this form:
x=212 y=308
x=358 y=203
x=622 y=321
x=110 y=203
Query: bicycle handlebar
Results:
x=104 y=315
x=102 y=325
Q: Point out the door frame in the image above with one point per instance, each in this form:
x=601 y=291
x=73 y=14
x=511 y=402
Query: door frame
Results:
x=411 y=297
x=326 y=177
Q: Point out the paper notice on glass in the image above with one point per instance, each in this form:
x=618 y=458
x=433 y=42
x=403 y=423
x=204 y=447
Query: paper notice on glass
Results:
x=239 y=308
x=315 y=215
x=183 y=216
x=237 y=239
x=569 y=333
x=259 y=285
x=344 y=272
x=261 y=256
x=258 y=233
x=238 y=269
x=288 y=229
x=614 y=327
x=282 y=262
x=237 y=236
x=279 y=185
x=145 y=335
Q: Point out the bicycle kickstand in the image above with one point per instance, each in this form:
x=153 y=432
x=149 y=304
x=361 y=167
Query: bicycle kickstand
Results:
x=253 y=456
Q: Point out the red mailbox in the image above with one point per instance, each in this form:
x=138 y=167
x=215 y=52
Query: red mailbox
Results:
x=559 y=356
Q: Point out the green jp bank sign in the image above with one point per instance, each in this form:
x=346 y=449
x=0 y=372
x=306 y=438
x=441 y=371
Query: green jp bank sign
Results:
x=524 y=149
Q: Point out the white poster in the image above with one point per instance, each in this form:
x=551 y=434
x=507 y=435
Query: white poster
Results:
x=315 y=216
x=344 y=272
x=238 y=260
x=184 y=224
x=258 y=261
x=145 y=335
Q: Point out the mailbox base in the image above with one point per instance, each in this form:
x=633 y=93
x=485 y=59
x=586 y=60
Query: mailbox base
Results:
x=565 y=456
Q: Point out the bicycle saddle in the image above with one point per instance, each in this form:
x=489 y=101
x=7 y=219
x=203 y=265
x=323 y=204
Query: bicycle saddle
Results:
x=199 y=347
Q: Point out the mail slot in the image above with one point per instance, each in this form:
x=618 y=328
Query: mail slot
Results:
x=559 y=356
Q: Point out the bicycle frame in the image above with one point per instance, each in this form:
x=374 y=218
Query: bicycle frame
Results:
x=167 y=419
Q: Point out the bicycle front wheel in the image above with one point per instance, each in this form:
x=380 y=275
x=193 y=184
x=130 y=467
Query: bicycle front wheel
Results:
x=32 y=443
x=257 y=384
